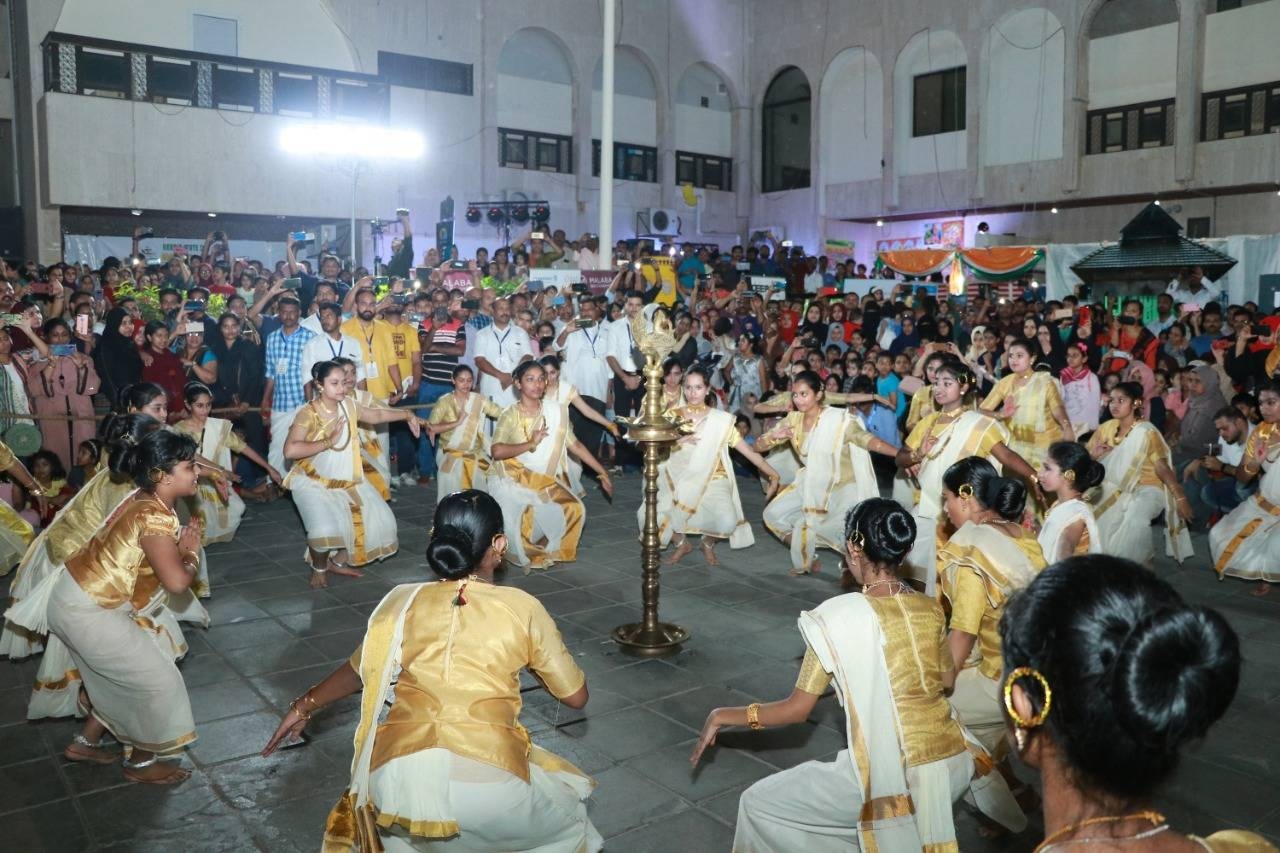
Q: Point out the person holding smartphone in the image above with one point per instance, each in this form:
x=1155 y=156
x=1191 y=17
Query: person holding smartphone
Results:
x=63 y=386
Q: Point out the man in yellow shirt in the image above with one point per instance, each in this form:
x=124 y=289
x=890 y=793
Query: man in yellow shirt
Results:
x=407 y=354
x=382 y=376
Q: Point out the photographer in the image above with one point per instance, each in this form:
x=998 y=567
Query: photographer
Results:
x=401 y=248
x=443 y=337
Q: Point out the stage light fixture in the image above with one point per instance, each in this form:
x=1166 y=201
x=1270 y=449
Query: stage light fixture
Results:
x=541 y=213
x=495 y=215
x=519 y=213
x=473 y=215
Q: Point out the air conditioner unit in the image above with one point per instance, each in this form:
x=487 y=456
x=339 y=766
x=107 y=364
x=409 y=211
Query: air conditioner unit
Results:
x=662 y=221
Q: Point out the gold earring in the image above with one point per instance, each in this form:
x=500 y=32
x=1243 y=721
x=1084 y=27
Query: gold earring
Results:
x=965 y=492
x=1009 y=680
x=1069 y=476
x=1020 y=740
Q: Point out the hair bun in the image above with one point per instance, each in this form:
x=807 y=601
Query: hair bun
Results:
x=1176 y=673
x=1006 y=496
x=449 y=551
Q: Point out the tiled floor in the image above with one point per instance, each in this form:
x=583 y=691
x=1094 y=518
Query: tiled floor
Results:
x=272 y=637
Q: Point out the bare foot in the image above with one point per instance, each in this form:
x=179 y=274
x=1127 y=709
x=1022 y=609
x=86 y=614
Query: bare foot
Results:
x=709 y=553
x=89 y=754
x=319 y=580
x=1261 y=589
x=682 y=550
x=160 y=773
x=345 y=570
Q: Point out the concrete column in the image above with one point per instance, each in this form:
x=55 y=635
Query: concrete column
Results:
x=42 y=222
x=606 y=127
x=1191 y=24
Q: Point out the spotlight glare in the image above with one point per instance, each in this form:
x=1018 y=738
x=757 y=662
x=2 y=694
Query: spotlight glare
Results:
x=1053 y=210
x=135 y=212
x=213 y=215
x=879 y=223
x=361 y=141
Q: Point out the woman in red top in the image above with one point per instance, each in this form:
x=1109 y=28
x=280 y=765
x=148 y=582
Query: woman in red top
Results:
x=161 y=366
x=1129 y=336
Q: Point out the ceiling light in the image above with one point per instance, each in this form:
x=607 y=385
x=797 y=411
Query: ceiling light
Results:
x=1053 y=210
x=360 y=141
x=1157 y=202
x=879 y=223
x=213 y=215
x=135 y=212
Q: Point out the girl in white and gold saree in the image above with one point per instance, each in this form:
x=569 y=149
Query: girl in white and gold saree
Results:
x=1139 y=483
x=942 y=438
x=530 y=475
x=697 y=490
x=447 y=766
x=1069 y=528
x=57 y=685
x=348 y=523
x=834 y=449
x=1029 y=404
x=908 y=760
x=98 y=606
x=565 y=394
x=220 y=517
x=1246 y=542
x=987 y=559
x=462 y=454
x=374 y=458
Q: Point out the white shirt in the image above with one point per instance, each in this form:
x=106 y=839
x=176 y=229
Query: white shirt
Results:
x=323 y=348
x=587 y=259
x=503 y=349
x=1182 y=295
x=621 y=343
x=1157 y=325
x=312 y=322
x=584 y=366
x=1233 y=454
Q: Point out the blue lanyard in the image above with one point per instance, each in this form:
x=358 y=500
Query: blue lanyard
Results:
x=342 y=342
x=501 y=340
x=592 y=341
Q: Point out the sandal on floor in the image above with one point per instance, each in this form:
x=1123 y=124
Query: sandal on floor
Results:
x=87 y=757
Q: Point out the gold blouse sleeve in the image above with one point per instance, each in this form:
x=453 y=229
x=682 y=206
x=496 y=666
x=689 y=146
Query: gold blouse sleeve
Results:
x=548 y=656
x=916 y=437
x=235 y=443
x=968 y=602
x=492 y=409
x=444 y=411
x=857 y=434
x=155 y=522
x=6 y=456
x=997 y=394
x=813 y=679
x=780 y=400
x=509 y=430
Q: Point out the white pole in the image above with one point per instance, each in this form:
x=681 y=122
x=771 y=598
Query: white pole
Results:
x=355 y=182
x=605 y=230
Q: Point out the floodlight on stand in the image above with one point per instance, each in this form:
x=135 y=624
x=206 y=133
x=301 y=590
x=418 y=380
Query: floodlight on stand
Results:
x=541 y=213
x=496 y=215
x=472 y=215
x=519 y=212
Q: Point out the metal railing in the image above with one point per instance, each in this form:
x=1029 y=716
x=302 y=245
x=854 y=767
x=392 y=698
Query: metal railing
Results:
x=79 y=65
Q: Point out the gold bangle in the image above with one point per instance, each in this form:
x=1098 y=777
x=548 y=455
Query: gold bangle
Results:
x=753 y=716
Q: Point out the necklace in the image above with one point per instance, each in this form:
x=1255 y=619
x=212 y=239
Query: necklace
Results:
x=335 y=415
x=699 y=409
x=1119 y=436
x=902 y=587
x=1157 y=822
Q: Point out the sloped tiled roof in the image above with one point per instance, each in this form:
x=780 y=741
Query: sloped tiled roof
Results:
x=1151 y=247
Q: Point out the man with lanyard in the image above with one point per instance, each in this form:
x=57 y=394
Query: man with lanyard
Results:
x=499 y=347
x=377 y=353
x=628 y=385
x=331 y=343
x=282 y=395
x=406 y=354
x=584 y=346
x=443 y=337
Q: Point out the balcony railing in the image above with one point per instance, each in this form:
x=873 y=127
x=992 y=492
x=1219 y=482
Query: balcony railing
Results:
x=78 y=65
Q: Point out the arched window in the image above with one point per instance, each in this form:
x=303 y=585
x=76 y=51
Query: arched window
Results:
x=535 y=104
x=786 y=121
x=1133 y=66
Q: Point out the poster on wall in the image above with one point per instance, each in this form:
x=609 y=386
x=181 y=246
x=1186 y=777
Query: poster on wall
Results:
x=93 y=249
x=837 y=251
x=897 y=244
x=947 y=234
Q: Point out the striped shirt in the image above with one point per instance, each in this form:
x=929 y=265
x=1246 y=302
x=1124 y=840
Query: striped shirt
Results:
x=437 y=368
x=284 y=365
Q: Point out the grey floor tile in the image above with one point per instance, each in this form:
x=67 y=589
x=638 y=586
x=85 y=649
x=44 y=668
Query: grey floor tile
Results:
x=647 y=680
x=331 y=620
x=234 y=737
x=226 y=699
x=31 y=783
x=688 y=830
x=719 y=770
x=626 y=733
x=51 y=828
x=255 y=783
x=294 y=654
x=20 y=742
x=624 y=799
x=251 y=633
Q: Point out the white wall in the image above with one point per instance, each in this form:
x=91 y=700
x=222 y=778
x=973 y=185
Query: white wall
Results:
x=1240 y=47
x=705 y=130
x=525 y=104
x=299 y=31
x=851 y=118
x=927 y=51
x=1022 y=112
x=635 y=119
x=1133 y=67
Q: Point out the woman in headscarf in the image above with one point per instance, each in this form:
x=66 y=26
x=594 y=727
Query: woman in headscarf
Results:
x=1081 y=390
x=115 y=356
x=1203 y=392
x=1152 y=403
